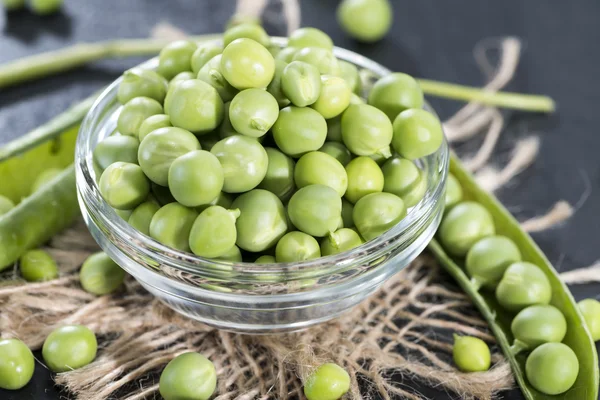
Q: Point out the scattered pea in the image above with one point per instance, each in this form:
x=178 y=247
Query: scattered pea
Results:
x=16 y=364
x=328 y=382
x=100 y=275
x=471 y=354
x=38 y=266
x=69 y=347
x=188 y=376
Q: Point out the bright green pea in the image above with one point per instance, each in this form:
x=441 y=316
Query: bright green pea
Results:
x=488 y=259
x=299 y=130
x=471 y=354
x=536 y=325
x=150 y=124
x=160 y=148
x=317 y=168
x=347 y=211
x=249 y=31
x=287 y=54
x=253 y=112
x=45 y=7
x=213 y=233
x=590 y=308
x=180 y=77
x=366 y=130
x=162 y=194
x=454 y=192
x=417 y=133
x=171 y=226
x=339 y=241
x=356 y=99
x=364 y=177
x=552 y=368
x=69 y=347
x=328 y=382
x=417 y=193
x=280 y=174
x=194 y=105
x=523 y=284
x=204 y=54
x=124 y=185
x=16 y=364
x=233 y=254
x=247 y=64
x=6 y=205
x=189 y=376
x=123 y=214
x=116 y=148
x=315 y=209
x=211 y=74
x=376 y=213
x=134 y=112
x=223 y=199
x=176 y=57
x=395 y=93
x=275 y=86
x=365 y=20
x=238 y=19
x=265 y=259
x=334 y=129
x=297 y=246
x=196 y=178
x=321 y=58
x=463 y=226
x=262 y=221
x=244 y=163
x=140 y=82
x=46 y=177
x=142 y=215
x=338 y=151
x=401 y=176
x=334 y=96
x=38 y=266
x=301 y=83
x=100 y=275
x=349 y=73
x=310 y=37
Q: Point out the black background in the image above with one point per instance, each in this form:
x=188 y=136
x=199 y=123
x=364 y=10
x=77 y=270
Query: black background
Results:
x=432 y=39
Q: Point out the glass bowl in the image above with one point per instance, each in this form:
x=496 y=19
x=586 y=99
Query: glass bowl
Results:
x=247 y=297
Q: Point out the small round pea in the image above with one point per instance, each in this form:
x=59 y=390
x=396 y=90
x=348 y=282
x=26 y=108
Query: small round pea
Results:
x=297 y=246
x=310 y=37
x=247 y=64
x=356 y=99
x=315 y=209
x=366 y=130
x=213 y=232
x=134 y=112
x=124 y=185
x=150 y=124
x=46 y=177
x=6 y=205
x=321 y=58
x=45 y=7
x=488 y=259
x=334 y=96
x=454 y=192
x=301 y=83
x=160 y=148
x=536 y=325
x=262 y=221
x=471 y=354
x=176 y=57
x=365 y=20
x=347 y=211
x=318 y=168
x=211 y=74
x=338 y=151
x=328 y=382
x=275 y=86
x=349 y=73
x=523 y=284
x=188 y=376
x=244 y=163
x=233 y=254
x=171 y=226
x=38 y=266
x=552 y=368
x=142 y=215
x=253 y=112
x=401 y=176
x=204 y=54
x=417 y=133
x=100 y=275
x=162 y=194
x=334 y=129
x=123 y=214
x=376 y=213
x=116 y=148
x=140 y=82
x=416 y=194
x=280 y=174
x=395 y=93
x=287 y=54
x=69 y=347
x=463 y=226
x=339 y=241
x=590 y=308
x=299 y=130
x=265 y=259
x=196 y=178
x=249 y=31
x=180 y=77
x=16 y=364
x=364 y=177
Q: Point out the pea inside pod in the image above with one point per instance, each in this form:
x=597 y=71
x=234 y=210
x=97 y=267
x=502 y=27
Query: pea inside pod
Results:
x=522 y=285
x=463 y=226
x=536 y=325
x=552 y=368
x=488 y=259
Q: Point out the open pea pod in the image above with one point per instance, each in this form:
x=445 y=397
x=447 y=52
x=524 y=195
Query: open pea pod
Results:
x=578 y=337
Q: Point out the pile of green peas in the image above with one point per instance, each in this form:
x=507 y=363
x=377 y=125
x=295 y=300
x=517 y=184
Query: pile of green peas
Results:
x=243 y=149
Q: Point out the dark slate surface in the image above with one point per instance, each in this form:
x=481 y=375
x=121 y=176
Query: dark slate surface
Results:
x=432 y=39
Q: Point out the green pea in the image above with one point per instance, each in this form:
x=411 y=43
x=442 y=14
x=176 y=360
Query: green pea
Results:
x=328 y=382
x=150 y=124
x=416 y=194
x=275 y=86
x=46 y=177
x=244 y=163
x=214 y=232
x=299 y=130
x=590 y=309
x=253 y=112
x=100 y=275
x=339 y=241
x=238 y=19
x=334 y=96
x=376 y=213
x=310 y=37
x=365 y=20
x=223 y=199
x=400 y=176
x=142 y=215
x=116 y=148
x=196 y=178
x=38 y=266
x=338 y=151
x=69 y=347
x=188 y=376
x=463 y=226
x=315 y=209
x=395 y=93
x=274 y=49
x=265 y=259
x=471 y=354
x=171 y=226
x=124 y=185
x=417 y=133
x=334 y=129
x=16 y=364
x=175 y=58
x=287 y=54
x=321 y=58
x=301 y=83
x=364 y=177
x=523 y=284
x=366 y=130
x=162 y=194
x=349 y=73
x=233 y=254
x=6 y=205
x=204 y=54
x=134 y=112
x=552 y=368
x=194 y=105
x=356 y=99
x=347 y=211
x=488 y=259
x=536 y=325
x=45 y=7
x=280 y=174
x=454 y=192
x=297 y=246
x=317 y=168
x=249 y=31
x=211 y=74
x=247 y=64
x=123 y=214
x=140 y=82
x=160 y=148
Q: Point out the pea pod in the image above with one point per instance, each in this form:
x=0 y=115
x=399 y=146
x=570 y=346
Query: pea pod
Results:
x=577 y=338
